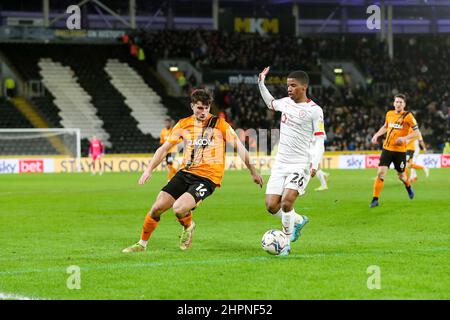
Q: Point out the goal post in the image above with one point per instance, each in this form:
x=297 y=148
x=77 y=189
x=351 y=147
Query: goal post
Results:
x=62 y=142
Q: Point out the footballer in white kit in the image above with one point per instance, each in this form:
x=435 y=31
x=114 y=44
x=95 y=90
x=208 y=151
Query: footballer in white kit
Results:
x=300 y=150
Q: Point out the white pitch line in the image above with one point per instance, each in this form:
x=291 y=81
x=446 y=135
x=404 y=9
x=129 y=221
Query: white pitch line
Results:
x=9 y=296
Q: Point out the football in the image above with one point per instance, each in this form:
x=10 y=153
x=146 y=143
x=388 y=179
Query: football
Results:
x=274 y=241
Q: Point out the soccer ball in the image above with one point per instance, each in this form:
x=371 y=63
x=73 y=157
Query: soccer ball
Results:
x=274 y=241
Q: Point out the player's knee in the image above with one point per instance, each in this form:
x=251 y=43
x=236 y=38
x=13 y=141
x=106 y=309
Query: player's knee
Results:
x=381 y=175
x=154 y=216
x=287 y=205
x=272 y=207
x=179 y=209
x=156 y=210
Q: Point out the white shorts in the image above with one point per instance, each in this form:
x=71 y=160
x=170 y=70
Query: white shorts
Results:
x=281 y=179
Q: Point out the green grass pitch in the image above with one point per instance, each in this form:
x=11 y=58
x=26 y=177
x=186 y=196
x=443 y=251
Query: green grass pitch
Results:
x=50 y=222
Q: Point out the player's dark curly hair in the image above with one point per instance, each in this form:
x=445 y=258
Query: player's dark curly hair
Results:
x=201 y=95
x=401 y=96
x=300 y=75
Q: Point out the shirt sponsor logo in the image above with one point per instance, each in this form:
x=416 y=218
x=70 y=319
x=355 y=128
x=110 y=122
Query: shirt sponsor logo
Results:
x=200 y=142
x=395 y=126
x=31 y=166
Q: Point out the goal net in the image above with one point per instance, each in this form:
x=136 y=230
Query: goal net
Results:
x=41 y=142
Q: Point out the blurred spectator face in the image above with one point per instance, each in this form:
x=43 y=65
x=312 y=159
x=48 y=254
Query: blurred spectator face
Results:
x=200 y=110
x=296 y=89
x=168 y=123
x=399 y=105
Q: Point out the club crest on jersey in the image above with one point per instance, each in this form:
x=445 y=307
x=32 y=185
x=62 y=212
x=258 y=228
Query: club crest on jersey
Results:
x=395 y=126
x=302 y=114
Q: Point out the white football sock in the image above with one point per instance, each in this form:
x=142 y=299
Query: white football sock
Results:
x=297 y=218
x=321 y=176
x=143 y=243
x=288 y=220
x=279 y=214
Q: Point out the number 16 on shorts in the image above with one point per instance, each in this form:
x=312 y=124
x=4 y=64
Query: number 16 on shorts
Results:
x=201 y=190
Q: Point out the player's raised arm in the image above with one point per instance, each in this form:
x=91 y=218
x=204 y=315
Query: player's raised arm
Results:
x=266 y=95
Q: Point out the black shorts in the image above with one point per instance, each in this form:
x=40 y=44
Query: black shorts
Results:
x=398 y=158
x=182 y=182
x=170 y=157
x=409 y=155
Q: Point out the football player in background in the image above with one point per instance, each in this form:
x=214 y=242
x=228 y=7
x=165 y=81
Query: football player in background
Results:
x=397 y=125
x=96 y=151
x=412 y=154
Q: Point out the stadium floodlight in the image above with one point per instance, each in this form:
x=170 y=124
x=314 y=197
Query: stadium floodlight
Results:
x=43 y=142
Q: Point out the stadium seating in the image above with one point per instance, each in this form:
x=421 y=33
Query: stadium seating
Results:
x=88 y=65
x=10 y=144
x=10 y=117
x=143 y=101
x=74 y=103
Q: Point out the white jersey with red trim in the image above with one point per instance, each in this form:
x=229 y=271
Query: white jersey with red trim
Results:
x=300 y=122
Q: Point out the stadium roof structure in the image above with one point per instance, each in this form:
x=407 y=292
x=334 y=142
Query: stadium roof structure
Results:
x=323 y=16
x=366 y=2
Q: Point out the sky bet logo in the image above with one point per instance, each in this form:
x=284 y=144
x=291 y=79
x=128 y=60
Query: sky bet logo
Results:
x=31 y=166
x=372 y=161
x=8 y=166
x=445 y=161
x=431 y=162
x=253 y=25
x=354 y=163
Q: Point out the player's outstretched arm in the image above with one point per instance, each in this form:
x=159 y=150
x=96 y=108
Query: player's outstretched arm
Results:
x=265 y=93
x=244 y=155
x=159 y=156
x=379 y=133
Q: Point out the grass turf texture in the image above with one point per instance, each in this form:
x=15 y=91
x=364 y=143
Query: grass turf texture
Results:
x=49 y=222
